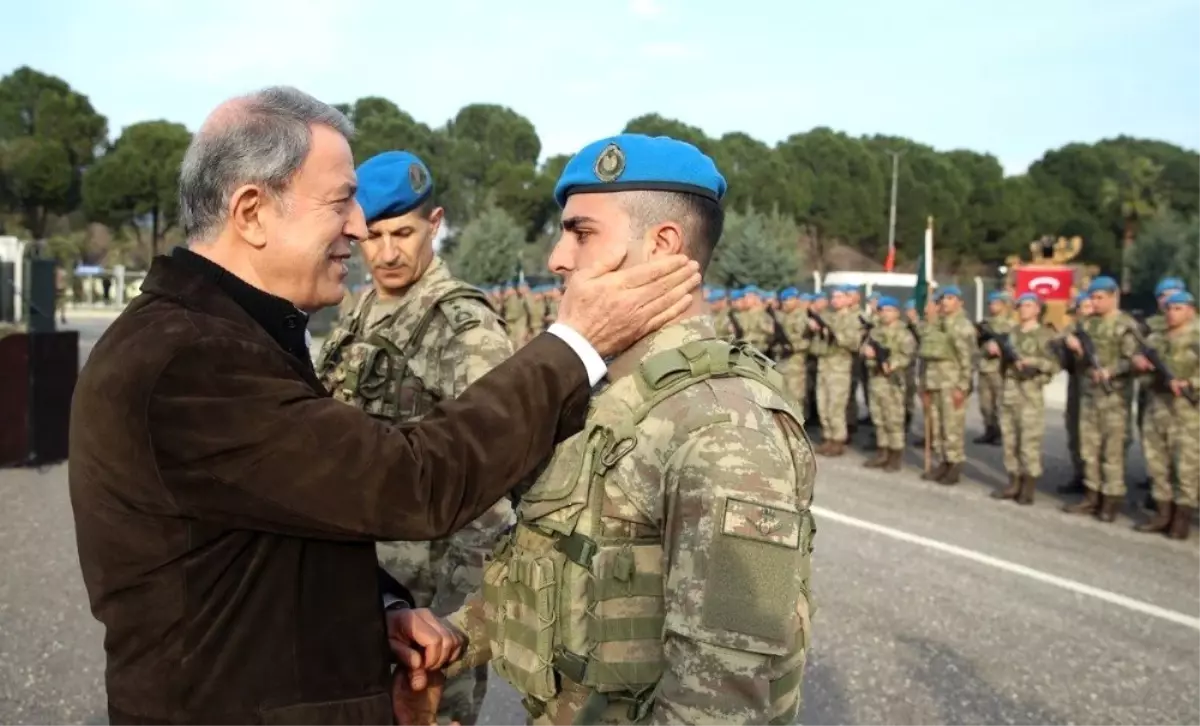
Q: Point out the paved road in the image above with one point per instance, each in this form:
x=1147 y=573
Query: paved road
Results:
x=936 y=605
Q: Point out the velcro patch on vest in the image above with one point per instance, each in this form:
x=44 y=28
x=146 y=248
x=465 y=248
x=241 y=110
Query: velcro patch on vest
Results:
x=761 y=523
x=461 y=313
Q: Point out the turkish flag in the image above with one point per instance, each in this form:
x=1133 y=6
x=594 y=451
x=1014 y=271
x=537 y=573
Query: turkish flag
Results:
x=1049 y=283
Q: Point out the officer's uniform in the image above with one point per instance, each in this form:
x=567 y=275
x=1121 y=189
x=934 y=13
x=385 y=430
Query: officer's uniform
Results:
x=396 y=358
x=660 y=568
x=1155 y=324
x=794 y=369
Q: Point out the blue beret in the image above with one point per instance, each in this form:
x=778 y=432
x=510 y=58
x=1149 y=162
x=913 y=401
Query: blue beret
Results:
x=636 y=161
x=951 y=291
x=712 y=296
x=737 y=295
x=392 y=184
x=1104 y=283
x=911 y=304
x=850 y=288
x=887 y=301
x=1181 y=298
x=998 y=296
x=789 y=293
x=1029 y=297
x=1168 y=284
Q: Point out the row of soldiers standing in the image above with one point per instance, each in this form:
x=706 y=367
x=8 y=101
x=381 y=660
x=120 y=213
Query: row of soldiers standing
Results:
x=828 y=345
x=527 y=311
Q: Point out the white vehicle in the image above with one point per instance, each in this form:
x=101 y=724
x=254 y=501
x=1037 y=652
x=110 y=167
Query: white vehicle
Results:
x=888 y=283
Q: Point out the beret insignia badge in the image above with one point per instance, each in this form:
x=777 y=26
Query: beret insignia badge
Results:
x=417 y=178
x=610 y=164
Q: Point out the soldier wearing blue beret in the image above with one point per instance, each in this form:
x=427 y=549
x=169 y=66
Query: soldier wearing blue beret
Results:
x=991 y=377
x=949 y=348
x=418 y=335
x=1105 y=394
x=704 y=428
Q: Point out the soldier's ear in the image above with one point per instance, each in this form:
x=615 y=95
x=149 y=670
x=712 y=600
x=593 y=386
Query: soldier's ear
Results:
x=666 y=239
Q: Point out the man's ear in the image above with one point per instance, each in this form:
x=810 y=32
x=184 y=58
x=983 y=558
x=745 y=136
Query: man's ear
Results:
x=435 y=221
x=666 y=239
x=246 y=208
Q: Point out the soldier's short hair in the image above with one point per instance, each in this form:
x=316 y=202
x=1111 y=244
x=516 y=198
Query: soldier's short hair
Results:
x=702 y=219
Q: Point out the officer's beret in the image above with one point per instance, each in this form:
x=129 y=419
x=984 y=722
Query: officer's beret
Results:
x=1181 y=298
x=1104 y=283
x=392 y=184
x=1029 y=297
x=887 y=301
x=789 y=293
x=636 y=161
x=950 y=291
x=1167 y=284
x=998 y=296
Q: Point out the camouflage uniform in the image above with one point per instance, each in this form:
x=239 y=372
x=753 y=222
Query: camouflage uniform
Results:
x=795 y=369
x=888 y=391
x=1104 y=416
x=395 y=359
x=835 y=367
x=991 y=383
x=1074 y=367
x=1023 y=402
x=660 y=570
x=516 y=319
x=1172 y=423
x=948 y=349
x=537 y=315
x=759 y=328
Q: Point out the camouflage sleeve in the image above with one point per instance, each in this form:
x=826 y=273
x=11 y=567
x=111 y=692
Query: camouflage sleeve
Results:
x=965 y=351
x=847 y=332
x=471 y=622
x=470 y=354
x=735 y=632
x=1129 y=348
x=902 y=353
x=1047 y=363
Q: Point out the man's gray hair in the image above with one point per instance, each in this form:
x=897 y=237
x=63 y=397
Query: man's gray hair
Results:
x=263 y=140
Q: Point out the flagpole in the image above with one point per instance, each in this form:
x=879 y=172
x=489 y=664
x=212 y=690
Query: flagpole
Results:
x=892 y=214
x=929 y=249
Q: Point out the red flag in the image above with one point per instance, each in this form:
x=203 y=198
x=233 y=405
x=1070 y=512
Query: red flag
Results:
x=891 y=258
x=1049 y=283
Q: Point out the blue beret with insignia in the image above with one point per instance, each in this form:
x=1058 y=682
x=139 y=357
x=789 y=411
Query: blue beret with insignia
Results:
x=1029 y=297
x=887 y=301
x=998 y=296
x=1181 y=298
x=951 y=291
x=1104 y=283
x=636 y=161
x=392 y=184
x=1167 y=284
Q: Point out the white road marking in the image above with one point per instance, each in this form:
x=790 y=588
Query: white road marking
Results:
x=1067 y=584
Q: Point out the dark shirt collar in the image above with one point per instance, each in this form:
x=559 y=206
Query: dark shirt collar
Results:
x=280 y=318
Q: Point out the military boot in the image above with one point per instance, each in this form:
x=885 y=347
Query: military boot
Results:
x=950 y=478
x=1010 y=491
x=937 y=472
x=823 y=447
x=895 y=460
x=990 y=436
x=1161 y=521
x=1028 y=489
x=836 y=449
x=1181 y=523
x=1089 y=505
x=1109 y=507
x=882 y=457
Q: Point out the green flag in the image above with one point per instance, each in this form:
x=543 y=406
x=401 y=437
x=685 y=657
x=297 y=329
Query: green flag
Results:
x=921 y=291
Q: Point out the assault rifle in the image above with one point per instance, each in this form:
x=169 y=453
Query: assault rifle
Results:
x=882 y=352
x=1008 y=354
x=1089 y=355
x=1162 y=372
x=779 y=337
x=823 y=328
x=739 y=333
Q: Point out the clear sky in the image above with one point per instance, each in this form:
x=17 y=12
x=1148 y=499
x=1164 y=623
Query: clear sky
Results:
x=1011 y=77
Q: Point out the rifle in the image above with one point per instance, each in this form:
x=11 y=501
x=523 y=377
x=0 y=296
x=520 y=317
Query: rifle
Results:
x=1008 y=354
x=882 y=352
x=1089 y=354
x=1162 y=372
x=738 y=332
x=779 y=337
x=823 y=328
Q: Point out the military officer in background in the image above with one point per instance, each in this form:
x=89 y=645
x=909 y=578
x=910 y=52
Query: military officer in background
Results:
x=1104 y=400
x=886 y=381
x=794 y=319
x=948 y=349
x=416 y=337
x=1156 y=323
x=670 y=583
x=756 y=321
x=991 y=380
x=1022 y=398
x=516 y=315
x=1172 y=421
x=835 y=368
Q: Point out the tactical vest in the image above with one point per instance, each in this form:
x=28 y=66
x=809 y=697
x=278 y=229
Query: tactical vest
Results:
x=561 y=599
x=1107 y=334
x=372 y=373
x=936 y=343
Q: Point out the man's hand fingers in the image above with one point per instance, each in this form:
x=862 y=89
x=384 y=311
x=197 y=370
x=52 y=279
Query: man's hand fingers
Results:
x=409 y=658
x=608 y=261
x=418 y=679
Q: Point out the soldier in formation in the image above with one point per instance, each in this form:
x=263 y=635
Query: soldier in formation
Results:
x=670 y=584
x=888 y=354
x=416 y=337
x=948 y=353
x=840 y=337
x=991 y=380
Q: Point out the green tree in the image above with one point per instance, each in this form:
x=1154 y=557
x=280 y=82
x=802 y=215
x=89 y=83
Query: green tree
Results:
x=757 y=248
x=1168 y=245
x=135 y=185
x=489 y=248
x=48 y=134
x=381 y=126
x=1133 y=195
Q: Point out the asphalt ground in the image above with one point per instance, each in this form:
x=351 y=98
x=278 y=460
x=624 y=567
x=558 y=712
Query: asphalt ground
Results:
x=935 y=604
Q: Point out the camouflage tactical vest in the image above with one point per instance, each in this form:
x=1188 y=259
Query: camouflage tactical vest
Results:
x=935 y=342
x=561 y=598
x=371 y=372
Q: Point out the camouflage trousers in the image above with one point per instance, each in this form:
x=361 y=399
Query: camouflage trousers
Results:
x=1023 y=426
x=887 y=409
x=1072 y=424
x=833 y=391
x=948 y=423
x=1103 y=424
x=795 y=373
x=1169 y=441
x=990 y=391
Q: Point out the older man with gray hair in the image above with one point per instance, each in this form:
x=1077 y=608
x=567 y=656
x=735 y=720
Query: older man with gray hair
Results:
x=226 y=507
